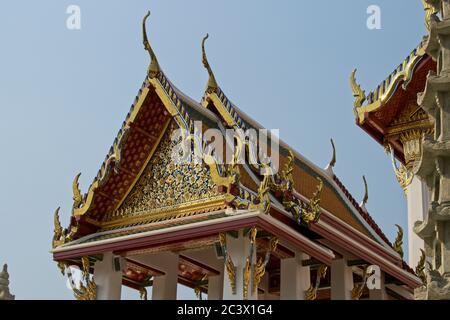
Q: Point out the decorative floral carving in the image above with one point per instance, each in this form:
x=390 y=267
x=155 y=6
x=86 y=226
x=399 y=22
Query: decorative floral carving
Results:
x=164 y=183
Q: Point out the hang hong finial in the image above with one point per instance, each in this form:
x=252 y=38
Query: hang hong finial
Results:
x=77 y=197
x=431 y=8
x=366 y=194
x=332 y=163
x=154 y=68
x=358 y=93
x=212 y=84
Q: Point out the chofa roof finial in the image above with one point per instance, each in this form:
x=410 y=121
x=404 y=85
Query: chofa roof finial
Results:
x=366 y=194
x=212 y=84
x=330 y=166
x=154 y=68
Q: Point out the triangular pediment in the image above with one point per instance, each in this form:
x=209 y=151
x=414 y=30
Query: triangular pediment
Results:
x=165 y=188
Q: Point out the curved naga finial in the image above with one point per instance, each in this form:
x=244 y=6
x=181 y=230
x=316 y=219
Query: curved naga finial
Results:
x=398 y=243
x=431 y=8
x=358 y=93
x=154 y=68
x=212 y=84
x=332 y=163
x=58 y=231
x=333 y=159
x=366 y=194
x=77 y=197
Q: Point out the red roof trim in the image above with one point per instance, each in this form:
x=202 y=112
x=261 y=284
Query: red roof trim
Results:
x=368 y=218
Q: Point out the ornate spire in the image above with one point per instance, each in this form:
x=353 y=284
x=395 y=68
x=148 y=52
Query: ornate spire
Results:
x=212 y=84
x=4 y=285
x=154 y=68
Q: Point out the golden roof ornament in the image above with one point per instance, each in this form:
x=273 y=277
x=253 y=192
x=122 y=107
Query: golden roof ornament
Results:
x=358 y=93
x=286 y=175
x=212 y=83
x=311 y=293
x=228 y=261
x=312 y=214
x=260 y=267
x=58 y=231
x=398 y=243
x=403 y=175
x=366 y=194
x=330 y=166
x=263 y=197
x=63 y=235
x=154 y=68
x=431 y=8
x=77 y=197
x=87 y=289
x=358 y=289
x=420 y=268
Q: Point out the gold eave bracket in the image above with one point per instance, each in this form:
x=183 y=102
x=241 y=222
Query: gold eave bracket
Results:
x=214 y=98
x=168 y=103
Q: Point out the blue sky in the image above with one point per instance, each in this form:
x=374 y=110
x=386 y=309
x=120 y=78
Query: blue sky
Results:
x=65 y=93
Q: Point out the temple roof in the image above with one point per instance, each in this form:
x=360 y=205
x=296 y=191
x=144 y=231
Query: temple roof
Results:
x=104 y=195
x=391 y=107
x=236 y=117
x=101 y=216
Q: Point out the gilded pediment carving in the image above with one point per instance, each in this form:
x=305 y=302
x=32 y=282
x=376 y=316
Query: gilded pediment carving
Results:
x=165 y=185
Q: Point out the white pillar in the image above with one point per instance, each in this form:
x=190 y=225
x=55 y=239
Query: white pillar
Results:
x=379 y=294
x=239 y=250
x=165 y=286
x=417 y=200
x=295 y=278
x=109 y=281
x=341 y=280
x=215 y=287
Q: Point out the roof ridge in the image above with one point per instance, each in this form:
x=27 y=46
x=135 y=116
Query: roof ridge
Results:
x=364 y=213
